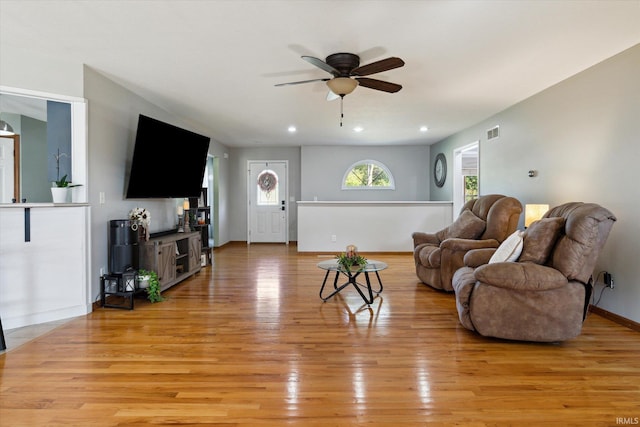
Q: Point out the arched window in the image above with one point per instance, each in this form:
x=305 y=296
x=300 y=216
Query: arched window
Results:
x=368 y=175
x=268 y=188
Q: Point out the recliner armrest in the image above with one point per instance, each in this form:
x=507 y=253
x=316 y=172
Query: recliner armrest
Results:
x=456 y=244
x=520 y=276
x=420 y=238
x=477 y=257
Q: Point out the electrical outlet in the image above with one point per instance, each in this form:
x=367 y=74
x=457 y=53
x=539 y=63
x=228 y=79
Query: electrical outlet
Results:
x=334 y=238
x=608 y=280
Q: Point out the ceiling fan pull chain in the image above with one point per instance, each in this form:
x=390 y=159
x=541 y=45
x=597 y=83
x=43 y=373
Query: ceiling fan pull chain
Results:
x=341 y=109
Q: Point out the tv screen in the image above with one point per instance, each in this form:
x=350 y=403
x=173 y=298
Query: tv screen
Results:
x=167 y=162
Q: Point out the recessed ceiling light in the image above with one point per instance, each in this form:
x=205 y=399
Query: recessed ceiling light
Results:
x=423 y=128
x=358 y=129
x=292 y=129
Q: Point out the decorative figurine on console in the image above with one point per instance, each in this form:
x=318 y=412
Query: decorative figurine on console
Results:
x=140 y=219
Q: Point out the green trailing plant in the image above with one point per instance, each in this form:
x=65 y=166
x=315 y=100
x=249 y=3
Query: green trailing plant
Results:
x=153 y=291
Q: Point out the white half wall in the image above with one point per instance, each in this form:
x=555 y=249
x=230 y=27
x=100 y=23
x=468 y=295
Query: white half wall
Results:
x=371 y=226
x=44 y=265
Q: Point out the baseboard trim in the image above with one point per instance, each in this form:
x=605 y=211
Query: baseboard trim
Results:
x=244 y=243
x=615 y=318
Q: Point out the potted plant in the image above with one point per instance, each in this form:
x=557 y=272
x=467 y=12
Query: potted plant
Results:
x=60 y=187
x=60 y=190
x=149 y=280
x=351 y=260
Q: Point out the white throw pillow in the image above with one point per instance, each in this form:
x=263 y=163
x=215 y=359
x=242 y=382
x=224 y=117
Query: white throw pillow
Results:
x=510 y=249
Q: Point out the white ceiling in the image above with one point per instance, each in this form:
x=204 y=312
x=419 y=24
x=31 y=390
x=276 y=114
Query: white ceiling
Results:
x=215 y=63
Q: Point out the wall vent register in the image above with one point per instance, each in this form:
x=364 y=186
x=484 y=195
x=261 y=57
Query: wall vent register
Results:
x=493 y=133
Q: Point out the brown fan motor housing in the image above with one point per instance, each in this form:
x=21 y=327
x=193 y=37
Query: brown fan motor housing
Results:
x=343 y=62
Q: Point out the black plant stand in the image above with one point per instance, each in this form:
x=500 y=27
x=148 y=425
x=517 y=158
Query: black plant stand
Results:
x=116 y=285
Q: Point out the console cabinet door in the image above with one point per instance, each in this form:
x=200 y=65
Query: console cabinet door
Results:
x=166 y=263
x=195 y=246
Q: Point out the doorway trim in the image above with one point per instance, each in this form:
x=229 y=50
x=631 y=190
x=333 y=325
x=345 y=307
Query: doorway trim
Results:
x=16 y=166
x=285 y=197
x=458 y=180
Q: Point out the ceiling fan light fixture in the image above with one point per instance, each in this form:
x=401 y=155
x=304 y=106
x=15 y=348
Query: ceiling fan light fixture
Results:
x=342 y=85
x=6 y=129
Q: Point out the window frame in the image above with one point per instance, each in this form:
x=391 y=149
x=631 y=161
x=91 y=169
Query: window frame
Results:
x=385 y=169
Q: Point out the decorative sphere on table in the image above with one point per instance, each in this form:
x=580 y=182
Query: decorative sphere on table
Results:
x=352 y=251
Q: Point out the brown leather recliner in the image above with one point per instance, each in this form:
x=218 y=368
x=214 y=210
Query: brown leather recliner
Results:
x=545 y=294
x=483 y=223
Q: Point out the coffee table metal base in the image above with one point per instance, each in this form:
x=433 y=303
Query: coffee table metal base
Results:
x=352 y=280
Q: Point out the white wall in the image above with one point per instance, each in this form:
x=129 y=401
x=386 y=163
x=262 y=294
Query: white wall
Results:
x=113 y=113
x=318 y=171
x=113 y=119
x=581 y=135
x=22 y=69
x=238 y=186
x=323 y=168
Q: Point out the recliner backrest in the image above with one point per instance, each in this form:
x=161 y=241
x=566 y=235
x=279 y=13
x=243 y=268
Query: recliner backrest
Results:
x=497 y=210
x=587 y=226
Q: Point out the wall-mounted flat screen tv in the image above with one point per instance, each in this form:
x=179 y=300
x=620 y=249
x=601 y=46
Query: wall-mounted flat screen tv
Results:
x=168 y=162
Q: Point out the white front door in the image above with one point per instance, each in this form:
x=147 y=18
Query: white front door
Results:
x=267 y=209
x=6 y=170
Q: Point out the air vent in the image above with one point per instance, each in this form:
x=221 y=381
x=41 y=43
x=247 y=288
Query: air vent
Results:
x=493 y=133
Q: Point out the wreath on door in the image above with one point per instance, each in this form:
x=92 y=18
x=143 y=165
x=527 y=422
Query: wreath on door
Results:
x=267 y=181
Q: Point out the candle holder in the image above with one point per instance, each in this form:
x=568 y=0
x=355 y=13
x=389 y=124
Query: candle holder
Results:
x=186 y=222
x=186 y=207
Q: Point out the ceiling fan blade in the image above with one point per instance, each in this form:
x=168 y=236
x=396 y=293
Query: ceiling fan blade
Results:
x=301 y=82
x=378 y=66
x=332 y=96
x=321 y=64
x=379 y=85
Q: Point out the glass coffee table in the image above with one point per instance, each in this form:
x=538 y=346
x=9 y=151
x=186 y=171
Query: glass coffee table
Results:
x=372 y=266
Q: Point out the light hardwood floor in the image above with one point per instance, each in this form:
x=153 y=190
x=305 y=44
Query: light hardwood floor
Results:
x=250 y=343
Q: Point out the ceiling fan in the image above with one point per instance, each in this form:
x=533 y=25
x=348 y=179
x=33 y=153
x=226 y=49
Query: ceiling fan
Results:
x=344 y=66
x=348 y=74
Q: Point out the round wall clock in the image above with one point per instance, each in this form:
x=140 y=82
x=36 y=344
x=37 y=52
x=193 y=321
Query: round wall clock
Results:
x=440 y=169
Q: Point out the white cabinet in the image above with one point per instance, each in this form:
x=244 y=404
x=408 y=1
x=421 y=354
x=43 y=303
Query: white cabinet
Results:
x=43 y=263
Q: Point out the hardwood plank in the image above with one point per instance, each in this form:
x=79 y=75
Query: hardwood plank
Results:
x=249 y=342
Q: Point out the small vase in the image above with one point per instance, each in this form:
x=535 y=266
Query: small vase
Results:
x=59 y=194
